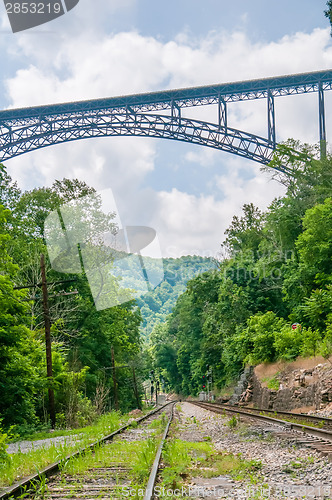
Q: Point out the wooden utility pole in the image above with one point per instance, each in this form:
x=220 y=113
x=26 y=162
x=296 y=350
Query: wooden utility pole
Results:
x=115 y=388
x=157 y=388
x=136 y=390
x=48 y=343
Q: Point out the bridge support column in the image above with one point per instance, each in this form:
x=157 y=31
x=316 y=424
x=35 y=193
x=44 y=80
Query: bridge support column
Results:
x=222 y=113
x=322 y=125
x=176 y=111
x=271 y=120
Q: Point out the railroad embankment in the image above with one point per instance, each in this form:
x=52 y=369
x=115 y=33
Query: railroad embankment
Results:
x=304 y=385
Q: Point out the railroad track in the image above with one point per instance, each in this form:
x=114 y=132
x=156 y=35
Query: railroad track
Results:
x=319 y=439
x=321 y=422
x=149 y=492
x=98 y=479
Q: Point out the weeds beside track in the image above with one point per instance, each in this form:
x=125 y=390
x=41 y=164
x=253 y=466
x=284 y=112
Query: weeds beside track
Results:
x=95 y=453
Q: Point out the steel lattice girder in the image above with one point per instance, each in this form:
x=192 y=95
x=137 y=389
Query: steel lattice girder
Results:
x=39 y=134
x=252 y=89
x=26 y=129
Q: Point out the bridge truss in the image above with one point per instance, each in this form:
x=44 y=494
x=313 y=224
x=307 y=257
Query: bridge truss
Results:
x=160 y=114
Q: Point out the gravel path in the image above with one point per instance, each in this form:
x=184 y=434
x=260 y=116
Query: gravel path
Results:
x=288 y=471
x=25 y=446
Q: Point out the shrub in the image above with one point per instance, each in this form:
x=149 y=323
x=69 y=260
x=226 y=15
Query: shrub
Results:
x=288 y=343
x=272 y=383
x=232 y=422
x=4 y=457
x=310 y=342
x=262 y=330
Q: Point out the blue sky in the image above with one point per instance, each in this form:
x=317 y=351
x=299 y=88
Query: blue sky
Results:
x=264 y=20
x=105 y=48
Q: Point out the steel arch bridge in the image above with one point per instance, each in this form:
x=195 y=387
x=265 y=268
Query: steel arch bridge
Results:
x=159 y=114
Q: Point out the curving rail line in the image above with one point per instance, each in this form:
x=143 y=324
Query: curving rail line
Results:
x=323 y=422
x=317 y=438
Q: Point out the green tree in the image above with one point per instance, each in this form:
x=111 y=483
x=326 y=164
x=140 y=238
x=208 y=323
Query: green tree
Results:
x=288 y=343
x=244 y=233
x=316 y=309
x=328 y=12
x=9 y=192
x=315 y=243
x=20 y=360
x=260 y=335
x=86 y=334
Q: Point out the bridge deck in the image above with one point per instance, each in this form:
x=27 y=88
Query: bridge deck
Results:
x=194 y=96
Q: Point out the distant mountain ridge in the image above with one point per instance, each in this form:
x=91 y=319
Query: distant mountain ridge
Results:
x=157 y=304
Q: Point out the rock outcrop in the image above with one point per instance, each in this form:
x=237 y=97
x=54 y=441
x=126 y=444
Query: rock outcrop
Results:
x=302 y=388
x=243 y=388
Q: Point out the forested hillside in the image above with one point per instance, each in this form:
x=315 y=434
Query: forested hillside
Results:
x=156 y=305
x=84 y=339
x=277 y=272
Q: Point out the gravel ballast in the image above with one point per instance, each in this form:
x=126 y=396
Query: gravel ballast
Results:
x=288 y=470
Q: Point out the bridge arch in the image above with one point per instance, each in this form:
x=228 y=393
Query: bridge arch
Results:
x=28 y=129
x=39 y=135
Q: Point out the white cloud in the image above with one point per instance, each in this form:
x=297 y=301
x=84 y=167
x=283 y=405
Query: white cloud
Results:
x=204 y=156
x=97 y=65
x=189 y=224
x=94 y=64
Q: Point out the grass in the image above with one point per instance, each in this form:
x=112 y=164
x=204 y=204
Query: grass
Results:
x=159 y=423
x=179 y=457
x=20 y=464
x=136 y=456
x=295 y=420
x=184 y=460
x=37 y=489
x=233 y=422
x=227 y=463
x=48 y=433
x=295 y=465
x=272 y=382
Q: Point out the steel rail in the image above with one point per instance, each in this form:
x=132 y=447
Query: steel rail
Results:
x=314 y=431
x=149 y=491
x=304 y=416
x=20 y=486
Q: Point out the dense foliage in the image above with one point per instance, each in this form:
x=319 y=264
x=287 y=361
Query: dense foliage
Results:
x=82 y=337
x=277 y=271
